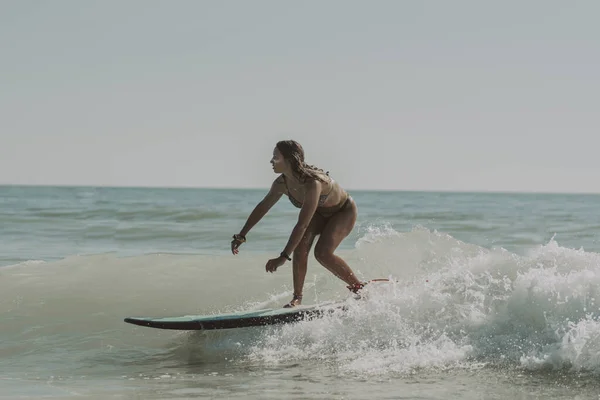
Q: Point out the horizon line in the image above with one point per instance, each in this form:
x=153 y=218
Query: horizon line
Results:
x=450 y=191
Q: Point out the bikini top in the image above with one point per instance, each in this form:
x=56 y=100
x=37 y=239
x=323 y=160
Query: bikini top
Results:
x=298 y=204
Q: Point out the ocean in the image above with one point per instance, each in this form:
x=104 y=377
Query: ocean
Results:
x=493 y=296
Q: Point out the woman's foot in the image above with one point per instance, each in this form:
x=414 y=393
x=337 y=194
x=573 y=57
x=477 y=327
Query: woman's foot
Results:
x=356 y=287
x=296 y=301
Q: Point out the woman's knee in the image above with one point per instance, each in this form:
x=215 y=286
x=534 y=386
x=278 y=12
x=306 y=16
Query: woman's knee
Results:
x=323 y=253
x=301 y=253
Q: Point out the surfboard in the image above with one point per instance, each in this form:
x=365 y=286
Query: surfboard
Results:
x=270 y=316
x=237 y=320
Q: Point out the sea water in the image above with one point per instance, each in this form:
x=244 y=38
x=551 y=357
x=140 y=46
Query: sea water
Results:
x=492 y=296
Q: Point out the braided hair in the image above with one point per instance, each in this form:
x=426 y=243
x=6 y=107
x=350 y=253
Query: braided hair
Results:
x=294 y=153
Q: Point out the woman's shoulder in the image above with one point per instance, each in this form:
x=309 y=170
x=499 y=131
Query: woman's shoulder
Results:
x=314 y=182
x=280 y=180
x=324 y=178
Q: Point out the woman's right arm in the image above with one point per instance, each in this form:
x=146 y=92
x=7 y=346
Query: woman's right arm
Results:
x=274 y=194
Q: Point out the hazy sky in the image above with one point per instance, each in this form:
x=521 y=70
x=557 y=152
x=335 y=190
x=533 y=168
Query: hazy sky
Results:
x=411 y=95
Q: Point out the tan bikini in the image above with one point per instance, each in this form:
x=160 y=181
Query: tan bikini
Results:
x=326 y=212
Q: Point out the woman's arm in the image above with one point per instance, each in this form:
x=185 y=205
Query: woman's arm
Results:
x=311 y=201
x=263 y=206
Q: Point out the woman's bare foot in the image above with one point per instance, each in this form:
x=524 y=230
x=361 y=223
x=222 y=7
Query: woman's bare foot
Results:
x=296 y=301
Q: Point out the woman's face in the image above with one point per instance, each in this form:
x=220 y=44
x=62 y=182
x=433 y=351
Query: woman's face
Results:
x=278 y=162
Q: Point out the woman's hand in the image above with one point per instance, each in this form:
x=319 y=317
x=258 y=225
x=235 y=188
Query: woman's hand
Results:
x=237 y=242
x=274 y=263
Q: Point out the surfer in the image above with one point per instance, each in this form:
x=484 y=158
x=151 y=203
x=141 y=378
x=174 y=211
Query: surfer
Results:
x=326 y=210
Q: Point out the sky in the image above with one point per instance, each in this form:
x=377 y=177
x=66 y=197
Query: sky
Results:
x=386 y=95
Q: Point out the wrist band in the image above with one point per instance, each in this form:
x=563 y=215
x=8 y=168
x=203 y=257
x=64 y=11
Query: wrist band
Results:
x=239 y=238
x=284 y=255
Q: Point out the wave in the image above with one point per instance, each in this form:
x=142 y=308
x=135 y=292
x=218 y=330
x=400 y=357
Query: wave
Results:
x=450 y=304
x=157 y=214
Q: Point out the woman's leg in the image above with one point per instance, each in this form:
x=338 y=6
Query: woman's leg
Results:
x=337 y=228
x=300 y=258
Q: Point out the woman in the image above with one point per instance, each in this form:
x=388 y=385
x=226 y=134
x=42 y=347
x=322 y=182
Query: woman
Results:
x=325 y=209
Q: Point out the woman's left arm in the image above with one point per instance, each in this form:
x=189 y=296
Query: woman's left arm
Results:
x=311 y=201
x=309 y=206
